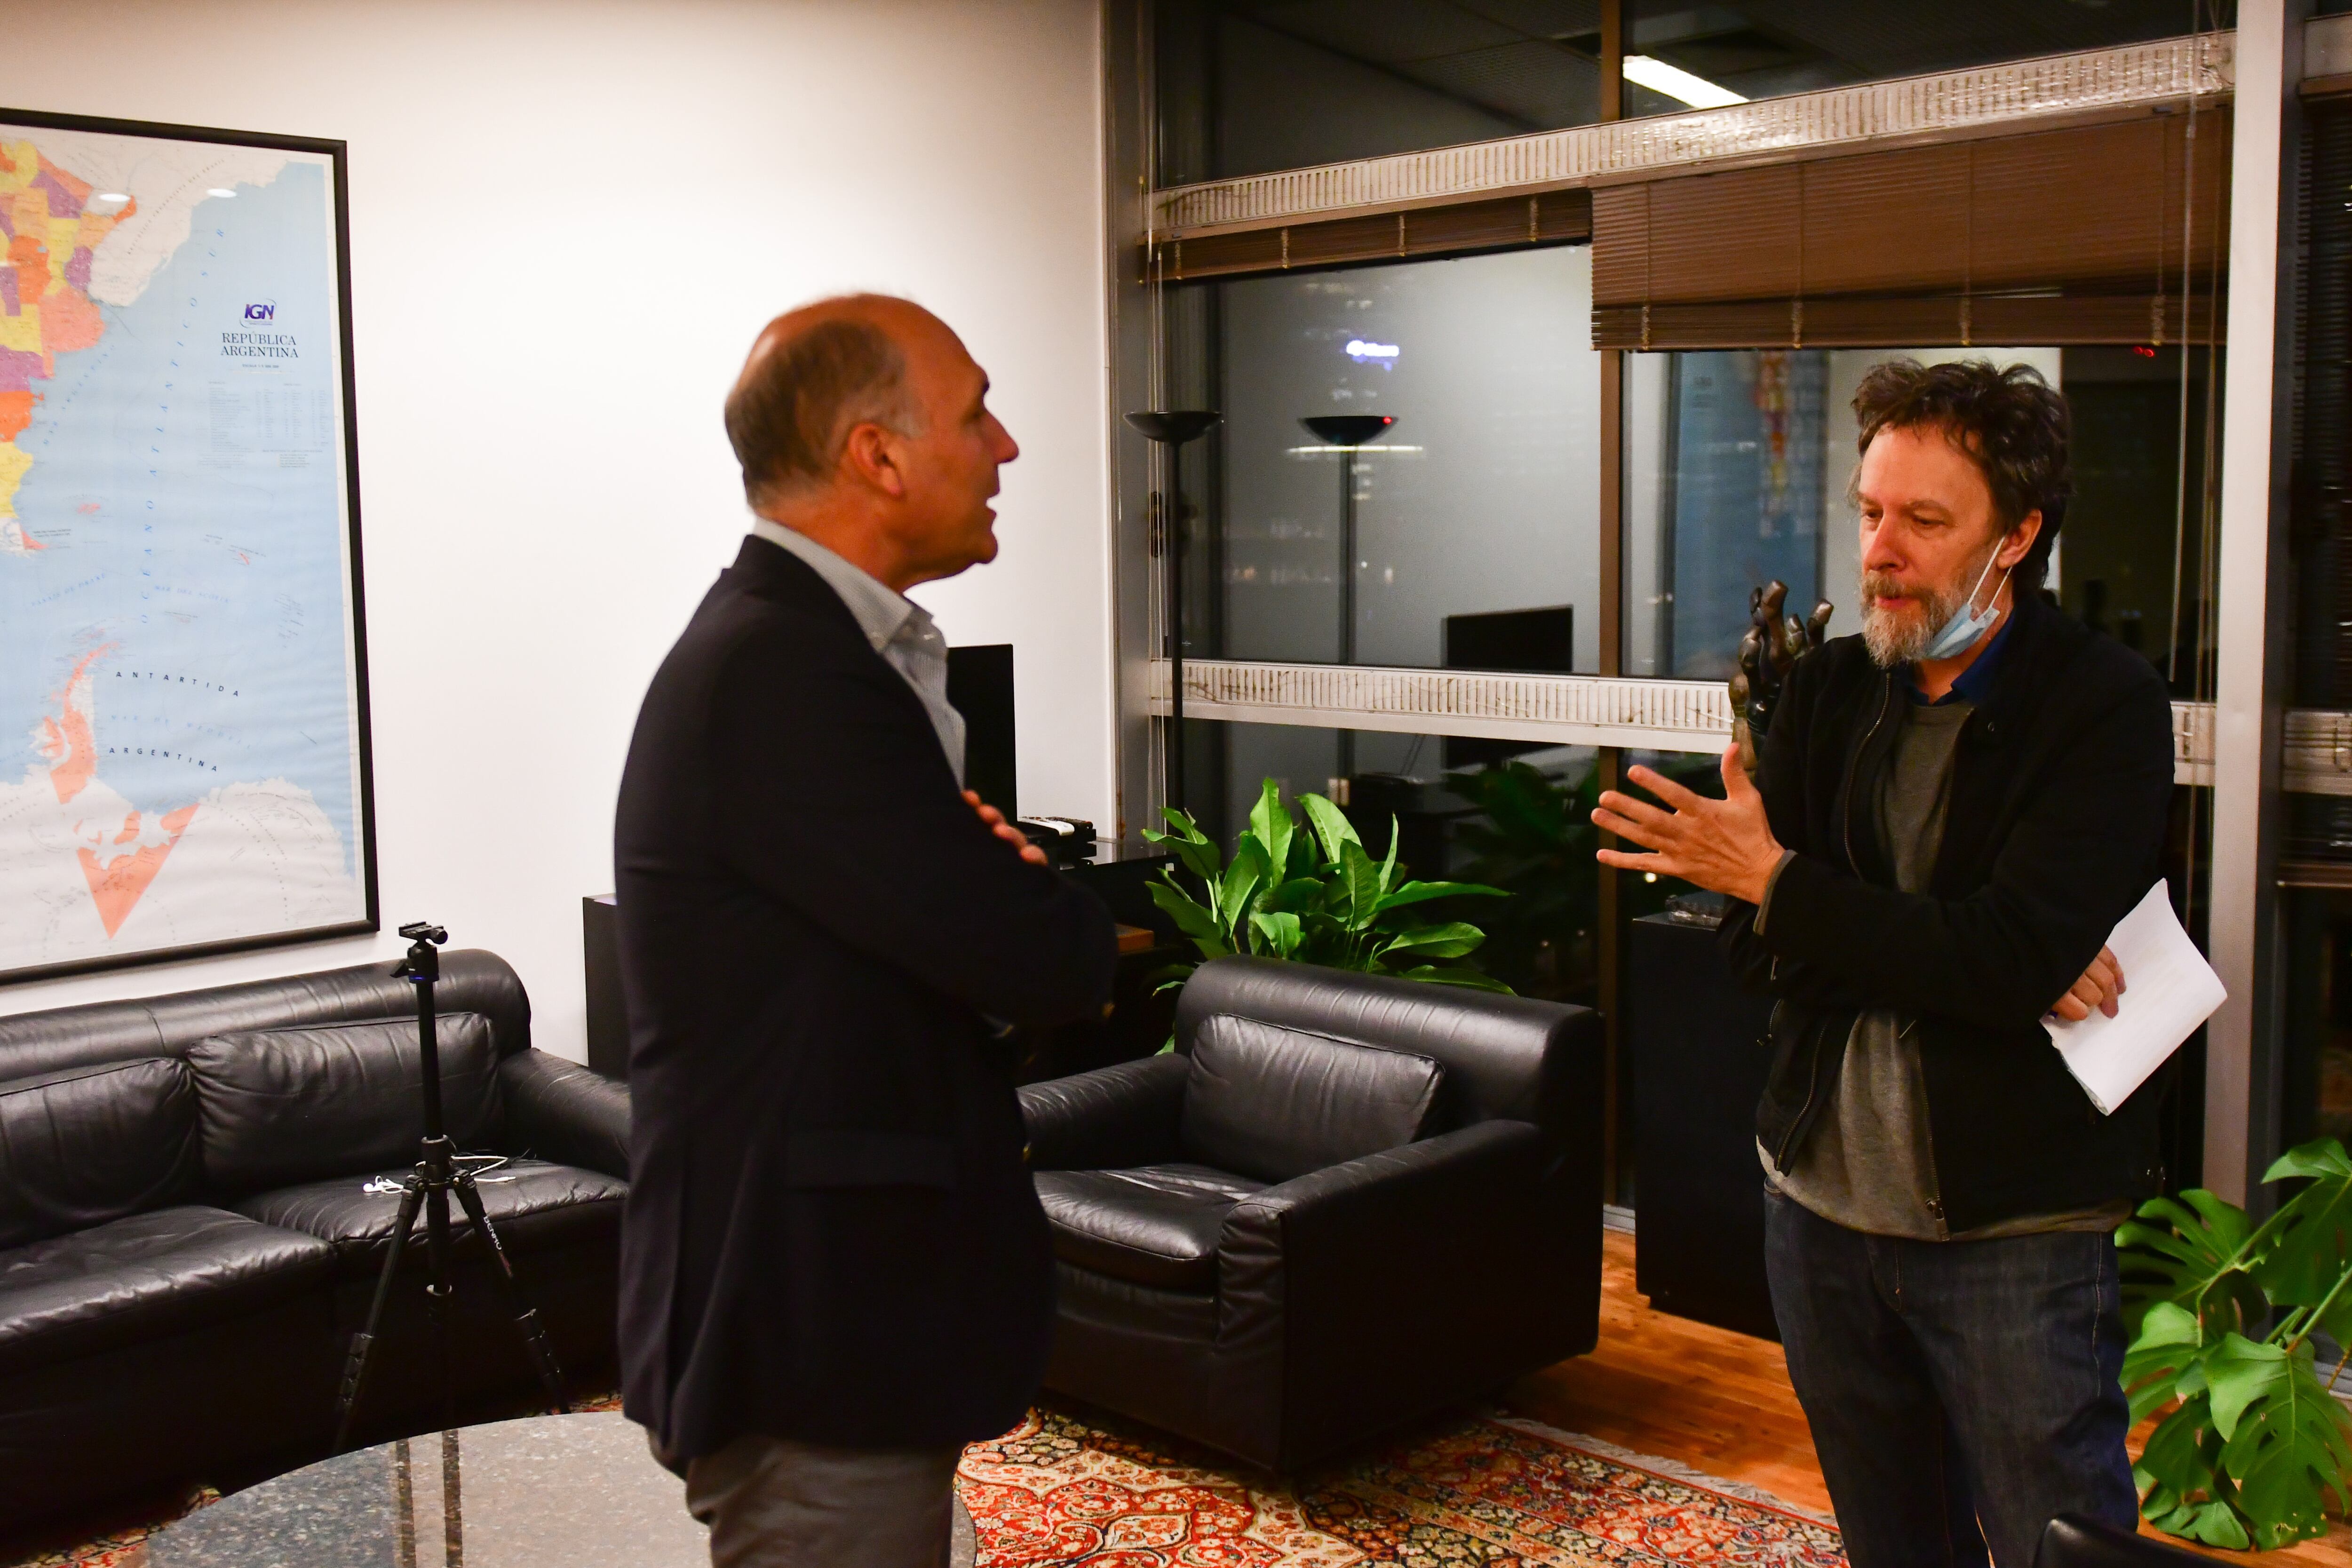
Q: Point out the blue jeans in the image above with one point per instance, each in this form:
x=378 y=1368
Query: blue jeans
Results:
x=1961 y=1394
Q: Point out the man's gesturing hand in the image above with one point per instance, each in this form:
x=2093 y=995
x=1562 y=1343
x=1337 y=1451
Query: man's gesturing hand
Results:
x=2100 y=985
x=1724 y=845
x=1003 y=829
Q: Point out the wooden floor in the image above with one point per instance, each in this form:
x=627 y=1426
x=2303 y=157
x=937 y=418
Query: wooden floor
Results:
x=1720 y=1401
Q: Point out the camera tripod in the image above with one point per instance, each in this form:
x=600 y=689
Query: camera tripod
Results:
x=438 y=1175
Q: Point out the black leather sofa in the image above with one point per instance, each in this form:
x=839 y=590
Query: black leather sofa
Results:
x=1343 y=1203
x=186 y=1245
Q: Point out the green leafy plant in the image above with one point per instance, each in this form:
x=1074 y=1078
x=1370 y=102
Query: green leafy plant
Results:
x=1534 y=838
x=1312 y=894
x=2224 y=1312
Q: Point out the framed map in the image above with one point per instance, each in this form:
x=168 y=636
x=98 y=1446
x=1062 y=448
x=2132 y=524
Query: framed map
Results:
x=183 y=735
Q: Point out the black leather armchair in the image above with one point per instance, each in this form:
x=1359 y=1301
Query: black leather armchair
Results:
x=187 y=1239
x=1342 y=1203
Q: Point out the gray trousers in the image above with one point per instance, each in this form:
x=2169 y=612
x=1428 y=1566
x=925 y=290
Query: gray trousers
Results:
x=772 y=1503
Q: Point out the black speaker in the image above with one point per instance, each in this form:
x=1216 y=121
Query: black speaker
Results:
x=1698 y=1064
x=980 y=687
x=1520 y=642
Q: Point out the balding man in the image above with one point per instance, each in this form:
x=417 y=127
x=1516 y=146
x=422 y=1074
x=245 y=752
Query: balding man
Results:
x=835 y=1271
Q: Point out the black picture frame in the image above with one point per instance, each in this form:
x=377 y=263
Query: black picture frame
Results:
x=336 y=154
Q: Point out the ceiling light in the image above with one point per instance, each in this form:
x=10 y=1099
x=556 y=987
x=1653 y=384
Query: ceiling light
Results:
x=112 y=196
x=1673 y=81
x=224 y=191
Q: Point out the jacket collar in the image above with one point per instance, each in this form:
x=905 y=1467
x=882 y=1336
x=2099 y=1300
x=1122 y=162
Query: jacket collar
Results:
x=1974 y=684
x=2025 y=647
x=770 y=572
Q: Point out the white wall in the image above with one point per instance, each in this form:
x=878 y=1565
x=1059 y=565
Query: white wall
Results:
x=568 y=221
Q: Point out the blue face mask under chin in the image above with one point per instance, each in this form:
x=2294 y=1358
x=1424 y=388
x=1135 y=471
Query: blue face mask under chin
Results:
x=1960 y=633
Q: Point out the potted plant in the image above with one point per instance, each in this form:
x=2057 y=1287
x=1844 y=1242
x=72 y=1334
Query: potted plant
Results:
x=1312 y=895
x=2226 y=1316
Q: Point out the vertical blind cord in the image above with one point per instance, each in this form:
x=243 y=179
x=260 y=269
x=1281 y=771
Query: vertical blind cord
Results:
x=2209 y=491
x=2181 y=478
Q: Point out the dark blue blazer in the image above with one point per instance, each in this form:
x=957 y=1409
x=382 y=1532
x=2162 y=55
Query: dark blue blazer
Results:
x=831 y=1235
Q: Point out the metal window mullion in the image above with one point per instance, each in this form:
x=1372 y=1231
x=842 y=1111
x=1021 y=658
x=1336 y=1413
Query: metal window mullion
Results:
x=2242 y=1060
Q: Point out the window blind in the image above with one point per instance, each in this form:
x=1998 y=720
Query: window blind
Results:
x=2072 y=236
x=1550 y=217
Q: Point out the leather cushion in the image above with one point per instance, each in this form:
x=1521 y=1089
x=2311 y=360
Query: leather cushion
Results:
x=1155 y=1225
x=144 y=1276
x=285 y=1106
x=90 y=1144
x=1273 y=1104
x=533 y=1204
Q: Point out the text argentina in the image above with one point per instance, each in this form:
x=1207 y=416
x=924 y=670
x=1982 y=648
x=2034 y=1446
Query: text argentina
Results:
x=259 y=345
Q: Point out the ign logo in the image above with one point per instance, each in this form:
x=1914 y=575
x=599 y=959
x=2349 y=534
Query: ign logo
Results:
x=261 y=312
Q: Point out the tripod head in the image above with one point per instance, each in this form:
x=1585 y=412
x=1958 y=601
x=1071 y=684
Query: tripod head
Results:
x=423 y=964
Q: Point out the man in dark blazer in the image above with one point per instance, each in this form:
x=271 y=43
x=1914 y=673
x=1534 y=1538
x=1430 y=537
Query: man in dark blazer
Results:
x=834 y=1270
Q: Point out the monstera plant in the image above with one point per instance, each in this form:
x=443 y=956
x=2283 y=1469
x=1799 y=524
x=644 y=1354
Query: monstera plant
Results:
x=1312 y=894
x=2227 y=1317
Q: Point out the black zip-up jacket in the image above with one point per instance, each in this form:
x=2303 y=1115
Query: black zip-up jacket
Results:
x=2056 y=825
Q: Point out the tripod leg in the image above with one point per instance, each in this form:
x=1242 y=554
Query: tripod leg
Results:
x=440 y=1293
x=535 y=1342
x=347 y=1398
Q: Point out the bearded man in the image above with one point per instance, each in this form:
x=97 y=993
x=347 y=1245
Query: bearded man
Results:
x=1952 y=811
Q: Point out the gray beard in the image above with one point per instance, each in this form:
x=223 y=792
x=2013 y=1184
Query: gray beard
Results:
x=1896 y=640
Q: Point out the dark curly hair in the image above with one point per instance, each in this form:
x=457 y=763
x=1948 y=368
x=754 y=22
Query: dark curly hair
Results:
x=2013 y=423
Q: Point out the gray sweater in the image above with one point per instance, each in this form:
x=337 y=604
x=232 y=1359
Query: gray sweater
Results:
x=1870 y=1164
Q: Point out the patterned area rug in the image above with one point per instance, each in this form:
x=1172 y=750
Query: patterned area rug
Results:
x=1486 y=1492
x=1493 y=1492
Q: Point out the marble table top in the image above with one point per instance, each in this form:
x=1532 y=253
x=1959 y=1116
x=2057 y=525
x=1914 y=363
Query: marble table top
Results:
x=548 y=1492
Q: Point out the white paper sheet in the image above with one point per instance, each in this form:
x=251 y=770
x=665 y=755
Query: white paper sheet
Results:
x=2168 y=990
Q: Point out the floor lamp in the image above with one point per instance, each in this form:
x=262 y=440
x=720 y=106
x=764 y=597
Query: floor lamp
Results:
x=1169 y=430
x=1350 y=433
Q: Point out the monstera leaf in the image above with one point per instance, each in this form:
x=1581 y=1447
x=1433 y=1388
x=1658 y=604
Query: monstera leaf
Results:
x=2184 y=1492
x=2253 y=1445
x=2194 y=1252
x=2309 y=1240
x=2283 y=1437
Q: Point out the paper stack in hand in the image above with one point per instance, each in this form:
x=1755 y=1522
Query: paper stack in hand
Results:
x=2168 y=990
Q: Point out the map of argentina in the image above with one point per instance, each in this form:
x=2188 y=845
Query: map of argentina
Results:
x=180 y=745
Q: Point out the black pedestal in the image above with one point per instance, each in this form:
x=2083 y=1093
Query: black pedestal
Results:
x=1698 y=1055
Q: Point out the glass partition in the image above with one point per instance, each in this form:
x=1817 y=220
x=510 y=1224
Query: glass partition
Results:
x=1739 y=463
x=1455 y=522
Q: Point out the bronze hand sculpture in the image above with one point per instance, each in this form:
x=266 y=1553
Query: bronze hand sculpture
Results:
x=1769 y=648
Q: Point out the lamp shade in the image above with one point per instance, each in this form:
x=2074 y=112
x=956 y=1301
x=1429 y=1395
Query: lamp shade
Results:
x=1173 y=427
x=1348 y=429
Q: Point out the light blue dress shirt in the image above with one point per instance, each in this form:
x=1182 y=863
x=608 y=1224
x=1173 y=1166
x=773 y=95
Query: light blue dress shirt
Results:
x=902 y=631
